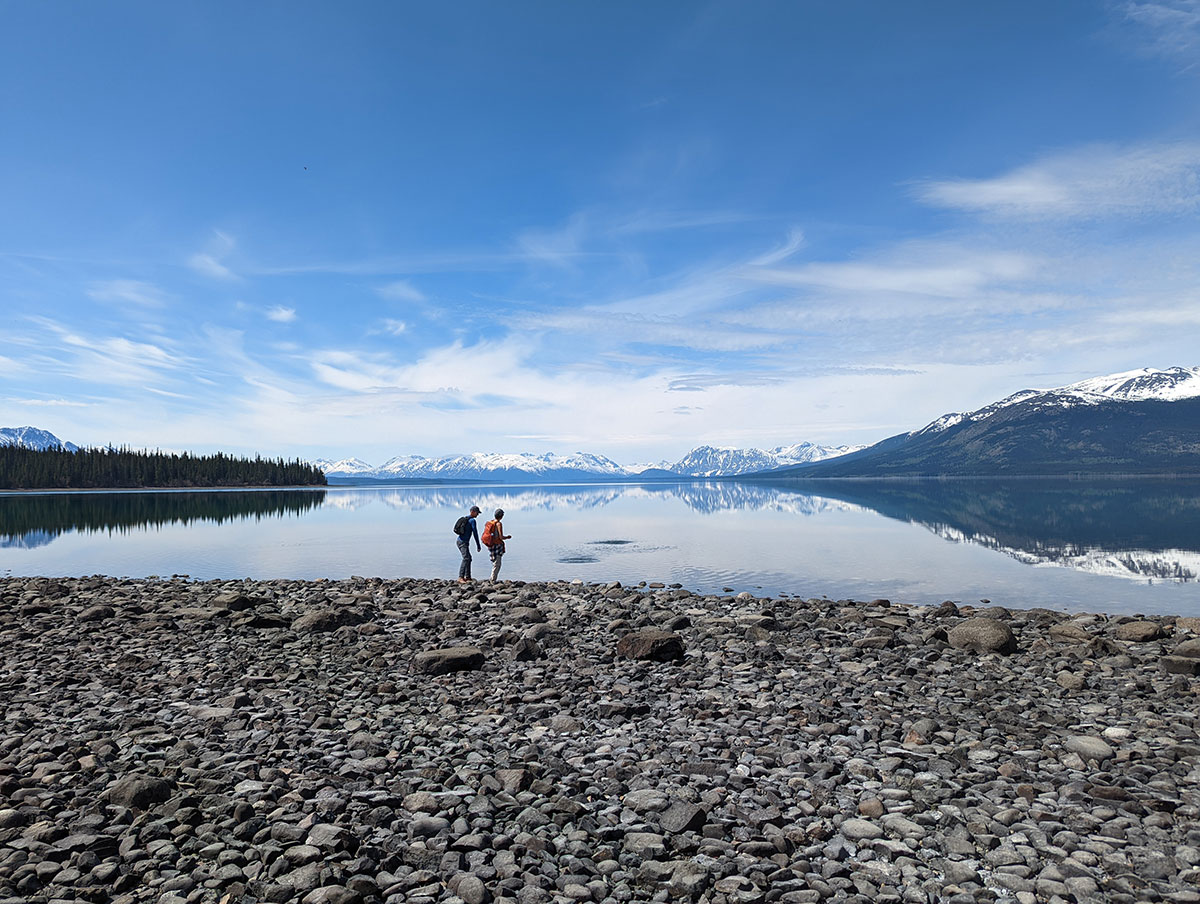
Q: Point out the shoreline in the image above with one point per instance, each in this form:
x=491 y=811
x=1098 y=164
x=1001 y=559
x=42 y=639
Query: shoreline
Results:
x=413 y=740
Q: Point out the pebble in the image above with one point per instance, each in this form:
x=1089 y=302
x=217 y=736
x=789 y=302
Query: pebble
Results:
x=377 y=741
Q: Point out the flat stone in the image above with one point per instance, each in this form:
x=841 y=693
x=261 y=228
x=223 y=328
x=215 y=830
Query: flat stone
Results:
x=860 y=829
x=1138 y=631
x=1089 y=748
x=448 y=659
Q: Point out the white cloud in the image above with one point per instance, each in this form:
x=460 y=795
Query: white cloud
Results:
x=401 y=290
x=794 y=243
x=50 y=403
x=394 y=327
x=558 y=248
x=1171 y=27
x=128 y=290
x=965 y=272
x=209 y=262
x=280 y=314
x=1092 y=183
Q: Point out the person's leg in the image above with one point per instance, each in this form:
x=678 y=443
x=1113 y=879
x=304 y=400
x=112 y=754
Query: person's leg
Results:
x=496 y=557
x=464 y=570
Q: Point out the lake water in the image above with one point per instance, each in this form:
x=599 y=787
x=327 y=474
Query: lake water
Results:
x=1074 y=545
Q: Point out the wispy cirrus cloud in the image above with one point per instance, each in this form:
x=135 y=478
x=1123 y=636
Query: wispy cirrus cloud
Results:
x=130 y=291
x=210 y=261
x=49 y=403
x=1089 y=183
x=1169 y=27
x=400 y=290
x=280 y=314
x=108 y=360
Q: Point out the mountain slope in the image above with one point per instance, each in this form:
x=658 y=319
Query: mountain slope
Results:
x=33 y=438
x=703 y=461
x=1140 y=422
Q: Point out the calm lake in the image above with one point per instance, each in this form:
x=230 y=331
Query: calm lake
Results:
x=1099 y=546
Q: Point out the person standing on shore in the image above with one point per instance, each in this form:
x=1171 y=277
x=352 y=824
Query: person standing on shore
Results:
x=467 y=528
x=494 y=537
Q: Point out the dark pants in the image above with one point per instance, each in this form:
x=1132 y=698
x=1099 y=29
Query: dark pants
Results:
x=464 y=547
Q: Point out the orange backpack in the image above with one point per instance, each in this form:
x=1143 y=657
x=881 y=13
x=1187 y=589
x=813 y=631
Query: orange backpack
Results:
x=491 y=536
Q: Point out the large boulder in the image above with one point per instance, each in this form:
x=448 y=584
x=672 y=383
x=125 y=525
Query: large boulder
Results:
x=1069 y=632
x=983 y=635
x=653 y=644
x=1188 y=648
x=1138 y=631
x=138 y=792
x=448 y=659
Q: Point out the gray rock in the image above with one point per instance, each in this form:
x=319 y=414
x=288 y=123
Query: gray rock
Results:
x=448 y=659
x=472 y=890
x=1138 y=631
x=1089 y=748
x=983 y=635
x=332 y=894
x=651 y=644
x=860 y=830
x=680 y=817
x=1180 y=665
x=138 y=792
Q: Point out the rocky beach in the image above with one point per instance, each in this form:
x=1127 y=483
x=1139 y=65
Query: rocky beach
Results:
x=367 y=740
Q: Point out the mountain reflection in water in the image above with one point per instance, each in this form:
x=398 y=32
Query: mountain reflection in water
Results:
x=1143 y=530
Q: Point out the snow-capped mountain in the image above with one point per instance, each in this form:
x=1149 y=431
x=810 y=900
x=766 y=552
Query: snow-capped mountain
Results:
x=346 y=466
x=1145 y=385
x=711 y=461
x=703 y=461
x=801 y=453
x=480 y=465
x=1139 y=422
x=716 y=461
x=33 y=438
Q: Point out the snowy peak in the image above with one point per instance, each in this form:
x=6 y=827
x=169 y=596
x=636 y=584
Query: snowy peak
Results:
x=802 y=453
x=713 y=461
x=343 y=466
x=1146 y=385
x=33 y=438
x=703 y=461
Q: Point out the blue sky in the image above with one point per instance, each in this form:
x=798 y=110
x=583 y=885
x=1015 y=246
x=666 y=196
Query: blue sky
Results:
x=378 y=228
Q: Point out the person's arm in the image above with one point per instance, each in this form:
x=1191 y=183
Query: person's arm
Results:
x=475 y=531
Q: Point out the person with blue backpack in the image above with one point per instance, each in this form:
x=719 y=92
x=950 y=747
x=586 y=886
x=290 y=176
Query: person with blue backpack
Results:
x=465 y=528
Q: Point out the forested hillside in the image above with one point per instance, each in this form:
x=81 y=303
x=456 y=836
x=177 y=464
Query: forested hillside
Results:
x=28 y=469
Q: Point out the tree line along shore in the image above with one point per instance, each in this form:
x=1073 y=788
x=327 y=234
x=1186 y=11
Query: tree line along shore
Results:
x=108 y=468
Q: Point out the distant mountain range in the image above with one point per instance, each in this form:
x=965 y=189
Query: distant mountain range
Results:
x=33 y=438
x=703 y=461
x=1139 y=422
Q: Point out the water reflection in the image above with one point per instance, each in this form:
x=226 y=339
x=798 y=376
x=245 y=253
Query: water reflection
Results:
x=29 y=521
x=704 y=497
x=1142 y=530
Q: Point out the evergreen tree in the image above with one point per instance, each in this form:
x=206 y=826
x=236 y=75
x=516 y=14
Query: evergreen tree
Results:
x=30 y=469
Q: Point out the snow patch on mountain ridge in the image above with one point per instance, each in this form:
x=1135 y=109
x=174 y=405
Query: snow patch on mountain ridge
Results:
x=703 y=461
x=33 y=438
x=1145 y=385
